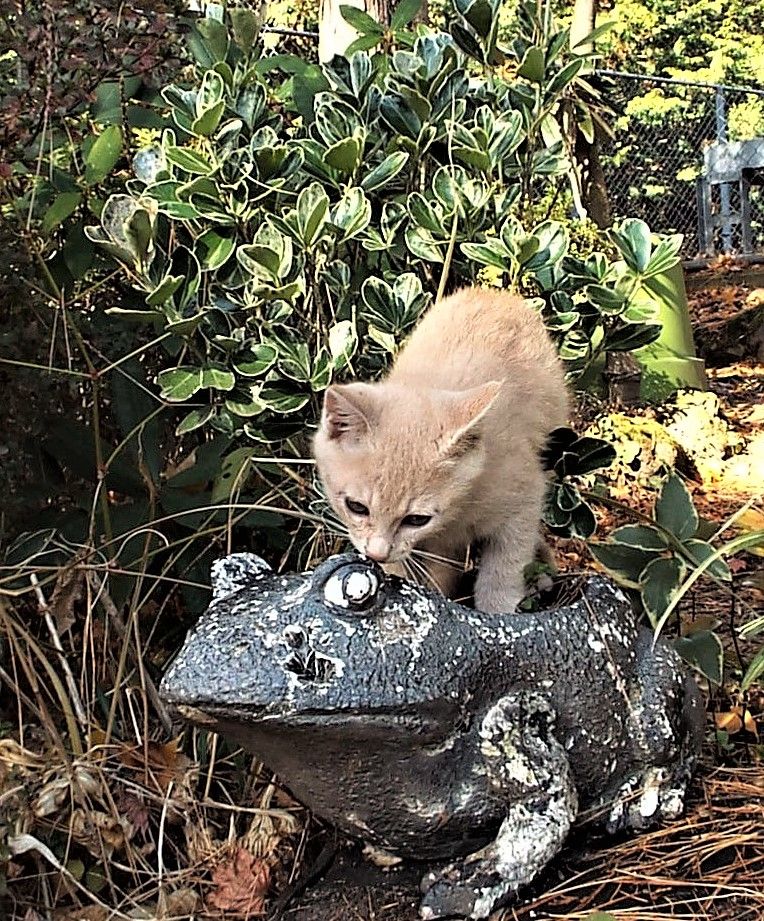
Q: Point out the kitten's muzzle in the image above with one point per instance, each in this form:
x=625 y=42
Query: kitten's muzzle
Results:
x=378 y=549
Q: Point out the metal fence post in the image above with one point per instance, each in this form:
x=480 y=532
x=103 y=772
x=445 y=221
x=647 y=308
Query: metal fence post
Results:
x=724 y=188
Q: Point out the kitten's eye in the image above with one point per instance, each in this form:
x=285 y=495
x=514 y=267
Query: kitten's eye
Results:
x=357 y=508
x=416 y=521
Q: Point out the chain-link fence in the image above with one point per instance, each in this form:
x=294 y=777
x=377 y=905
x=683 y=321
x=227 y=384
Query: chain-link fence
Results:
x=688 y=158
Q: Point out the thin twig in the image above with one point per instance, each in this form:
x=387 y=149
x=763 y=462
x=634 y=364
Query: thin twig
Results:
x=70 y=682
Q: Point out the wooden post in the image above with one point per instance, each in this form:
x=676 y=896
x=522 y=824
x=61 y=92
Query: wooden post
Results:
x=334 y=34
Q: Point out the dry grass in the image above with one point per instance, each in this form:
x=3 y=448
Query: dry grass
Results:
x=710 y=864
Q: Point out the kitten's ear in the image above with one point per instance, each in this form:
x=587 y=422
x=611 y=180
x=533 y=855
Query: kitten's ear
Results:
x=467 y=412
x=348 y=411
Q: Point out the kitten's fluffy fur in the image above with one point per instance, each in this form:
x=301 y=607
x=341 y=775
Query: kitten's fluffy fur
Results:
x=453 y=434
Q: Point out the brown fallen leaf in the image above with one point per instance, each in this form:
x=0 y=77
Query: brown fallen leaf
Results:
x=735 y=719
x=165 y=763
x=241 y=885
x=134 y=810
x=182 y=902
x=737 y=565
x=99 y=831
x=68 y=590
x=86 y=913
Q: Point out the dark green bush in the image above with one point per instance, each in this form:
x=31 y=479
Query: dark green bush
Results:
x=288 y=224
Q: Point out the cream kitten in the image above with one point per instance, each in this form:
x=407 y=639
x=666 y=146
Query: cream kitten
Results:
x=446 y=450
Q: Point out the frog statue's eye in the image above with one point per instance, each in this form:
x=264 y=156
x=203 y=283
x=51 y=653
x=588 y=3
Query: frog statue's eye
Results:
x=353 y=587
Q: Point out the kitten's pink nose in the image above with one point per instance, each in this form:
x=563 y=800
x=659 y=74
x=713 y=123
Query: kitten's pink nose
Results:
x=377 y=549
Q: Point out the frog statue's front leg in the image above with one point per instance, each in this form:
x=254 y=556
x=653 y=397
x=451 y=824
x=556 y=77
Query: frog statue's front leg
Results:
x=528 y=768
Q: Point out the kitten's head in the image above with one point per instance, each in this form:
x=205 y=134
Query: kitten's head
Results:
x=398 y=462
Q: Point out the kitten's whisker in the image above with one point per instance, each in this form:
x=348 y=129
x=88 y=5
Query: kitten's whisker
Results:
x=335 y=526
x=424 y=576
x=412 y=571
x=409 y=571
x=436 y=558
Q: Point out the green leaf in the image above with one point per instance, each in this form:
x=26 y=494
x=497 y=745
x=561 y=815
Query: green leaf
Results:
x=583 y=523
x=631 y=336
x=404 y=13
x=364 y=43
x=564 y=76
x=139 y=235
x=642 y=536
x=321 y=373
x=215 y=250
x=361 y=21
x=674 y=510
x=233 y=474
x=179 y=384
x=352 y=213
x=245 y=28
x=294 y=356
x=568 y=497
x=552 y=245
x=624 y=563
x=553 y=513
x=492 y=252
x=217 y=378
x=107 y=107
x=422 y=244
x=282 y=401
x=703 y=650
x=246 y=408
x=479 y=14
x=78 y=251
x=754 y=671
x=256 y=258
x=343 y=341
x=659 y=582
x=385 y=172
x=607 y=300
x=447 y=184
x=532 y=66
x=102 y=157
x=427 y=214
x=466 y=41
x=344 y=156
x=665 y=257
x=312 y=211
x=210 y=92
x=63 y=205
x=590 y=39
x=204 y=124
x=259 y=359
x=385 y=340
x=208 y=42
x=699 y=551
x=585 y=455
x=398 y=114
x=632 y=237
x=164 y=290
x=189 y=160
x=195 y=419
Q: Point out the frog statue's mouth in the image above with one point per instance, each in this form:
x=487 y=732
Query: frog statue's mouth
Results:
x=344 y=648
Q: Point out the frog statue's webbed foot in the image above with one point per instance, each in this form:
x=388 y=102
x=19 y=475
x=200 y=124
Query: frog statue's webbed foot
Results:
x=528 y=767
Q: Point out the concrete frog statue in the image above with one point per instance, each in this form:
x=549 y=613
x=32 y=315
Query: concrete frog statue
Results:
x=435 y=731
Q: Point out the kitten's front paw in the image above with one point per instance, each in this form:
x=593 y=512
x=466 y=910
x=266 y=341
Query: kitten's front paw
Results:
x=492 y=602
